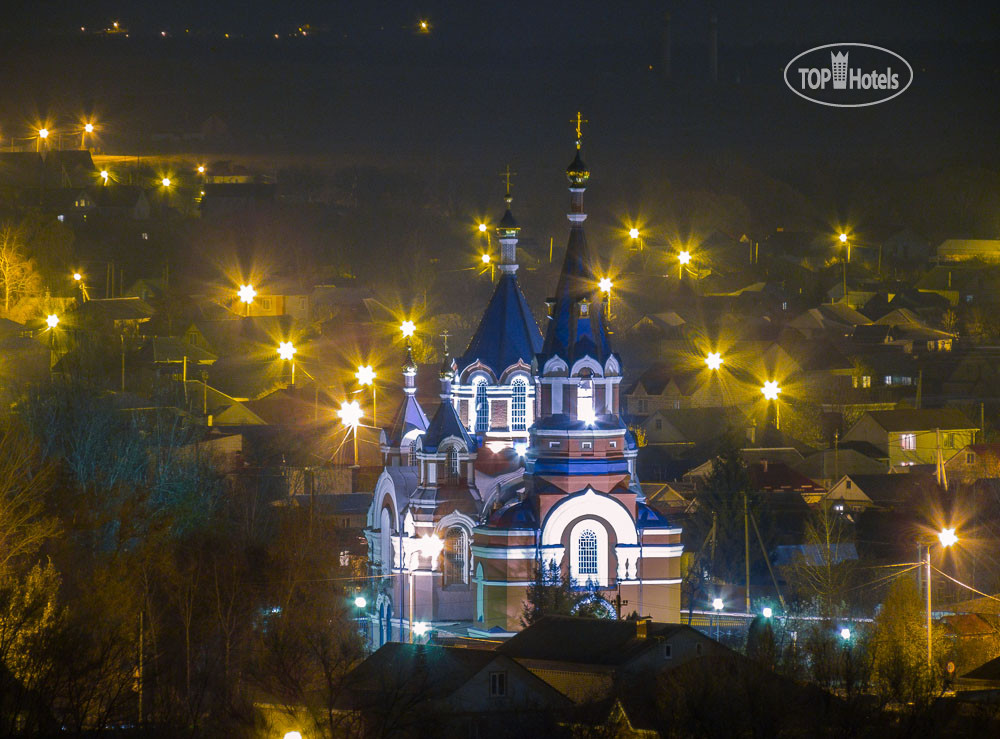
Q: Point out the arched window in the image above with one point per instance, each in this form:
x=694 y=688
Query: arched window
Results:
x=454 y=563
x=482 y=408
x=412 y=456
x=454 y=465
x=587 y=554
x=519 y=405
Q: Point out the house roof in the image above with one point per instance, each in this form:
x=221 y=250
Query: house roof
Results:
x=922 y=419
x=173 y=349
x=507 y=333
x=766 y=475
x=829 y=463
x=586 y=641
x=444 y=424
x=890 y=489
x=409 y=416
x=117 y=196
x=117 y=309
x=698 y=425
x=987 y=671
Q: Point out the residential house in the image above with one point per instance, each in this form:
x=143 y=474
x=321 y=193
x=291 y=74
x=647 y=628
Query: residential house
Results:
x=828 y=466
x=688 y=427
x=958 y=250
x=121 y=201
x=828 y=320
x=972 y=463
x=888 y=491
x=914 y=436
x=969 y=283
x=407 y=690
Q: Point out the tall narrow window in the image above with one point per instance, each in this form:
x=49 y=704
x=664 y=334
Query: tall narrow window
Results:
x=455 y=570
x=585 y=402
x=453 y=464
x=413 y=454
x=482 y=409
x=587 y=553
x=519 y=405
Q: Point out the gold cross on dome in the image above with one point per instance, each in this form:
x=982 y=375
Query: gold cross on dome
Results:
x=580 y=120
x=507 y=174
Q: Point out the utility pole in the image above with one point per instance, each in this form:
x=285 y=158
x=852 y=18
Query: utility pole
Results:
x=746 y=548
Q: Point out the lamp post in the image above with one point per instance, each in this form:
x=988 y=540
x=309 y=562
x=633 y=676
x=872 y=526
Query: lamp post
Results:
x=771 y=391
x=947 y=538
x=88 y=128
x=105 y=175
x=717 y=606
x=286 y=350
x=486 y=260
x=845 y=260
x=43 y=134
x=350 y=416
x=246 y=294
x=366 y=376
x=636 y=237
x=605 y=285
x=683 y=259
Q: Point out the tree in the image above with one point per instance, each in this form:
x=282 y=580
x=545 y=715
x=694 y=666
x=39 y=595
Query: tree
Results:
x=18 y=276
x=551 y=594
x=826 y=574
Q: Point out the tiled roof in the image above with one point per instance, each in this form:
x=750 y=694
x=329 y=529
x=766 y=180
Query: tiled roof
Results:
x=507 y=332
x=409 y=416
x=444 y=424
x=922 y=419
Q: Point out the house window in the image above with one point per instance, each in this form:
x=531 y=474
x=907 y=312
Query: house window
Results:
x=584 y=308
x=265 y=303
x=482 y=408
x=668 y=651
x=888 y=379
x=413 y=454
x=908 y=441
x=586 y=445
x=498 y=684
x=453 y=464
x=553 y=445
x=659 y=425
x=587 y=553
x=968 y=298
x=970 y=458
x=866 y=380
x=613 y=444
x=519 y=405
x=454 y=568
x=849 y=485
x=784 y=305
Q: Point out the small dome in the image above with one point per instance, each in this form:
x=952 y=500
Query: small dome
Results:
x=507 y=226
x=577 y=172
x=517 y=515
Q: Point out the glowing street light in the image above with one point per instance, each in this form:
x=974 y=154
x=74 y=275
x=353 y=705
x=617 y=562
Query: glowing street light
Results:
x=43 y=133
x=366 y=376
x=286 y=351
x=713 y=360
x=420 y=629
x=77 y=276
x=771 y=392
x=88 y=128
x=424 y=26
x=843 y=238
x=633 y=233
x=486 y=258
x=947 y=538
x=408 y=328
x=482 y=228
x=605 y=286
x=360 y=602
x=717 y=604
x=105 y=175
x=767 y=612
x=201 y=169
x=165 y=182
x=350 y=416
x=246 y=294
x=683 y=259
x=52 y=320
x=845 y=633
x=292 y=735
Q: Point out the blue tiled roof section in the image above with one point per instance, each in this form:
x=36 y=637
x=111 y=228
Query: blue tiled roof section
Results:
x=517 y=515
x=409 y=416
x=444 y=424
x=507 y=332
x=648 y=518
x=569 y=334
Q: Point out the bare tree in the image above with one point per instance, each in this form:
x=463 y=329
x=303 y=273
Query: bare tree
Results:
x=18 y=276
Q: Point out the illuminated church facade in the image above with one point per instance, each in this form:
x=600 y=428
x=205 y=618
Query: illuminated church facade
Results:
x=526 y=462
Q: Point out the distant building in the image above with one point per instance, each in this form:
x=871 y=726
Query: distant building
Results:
x=957 y=250
x=911 y=437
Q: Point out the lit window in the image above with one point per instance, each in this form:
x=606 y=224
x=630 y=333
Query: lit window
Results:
x=413 y=454
x=587 y=553
x=519 y=405
x=482 y=408
x=454 y=569
x=854 y=381
x=613 y=444
x=866 y=381
x=453 y=464
x=587 y=445
x=585 y=402
x=908 y=441
x=498 y=684
x=888 y=379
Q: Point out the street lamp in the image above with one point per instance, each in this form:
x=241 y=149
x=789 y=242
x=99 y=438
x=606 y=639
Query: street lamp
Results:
x=482 y=228
x=165 y=182
x=286 y=350
x=845 y=260
x=771 y=391
x=43 y=133
x=683 y=258
x=845 y=633
x=947 y=538
x=360 y=602
x=420 y=628
x=52 y=320
x=717 y=606
x=87 y=128
x=408 y=328
x=767 y=612
x=713 y=360
x=105 y=175
x=201 y=169
x=350 y=416
x=605 y=286
x=246 y=294
x=366 y=376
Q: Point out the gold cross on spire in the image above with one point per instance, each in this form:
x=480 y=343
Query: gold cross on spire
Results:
x=444 y=335
x=507 y=174
x=579 y=121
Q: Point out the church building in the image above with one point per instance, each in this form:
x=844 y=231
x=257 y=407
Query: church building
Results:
x=526 y=462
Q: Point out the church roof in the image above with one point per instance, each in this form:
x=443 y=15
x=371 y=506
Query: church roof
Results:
x=409 y=416
x=570 y=334
x=515 y=515
x=444 y=424
x=507 y=332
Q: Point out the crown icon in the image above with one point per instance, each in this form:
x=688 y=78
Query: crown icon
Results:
x=838 y=62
